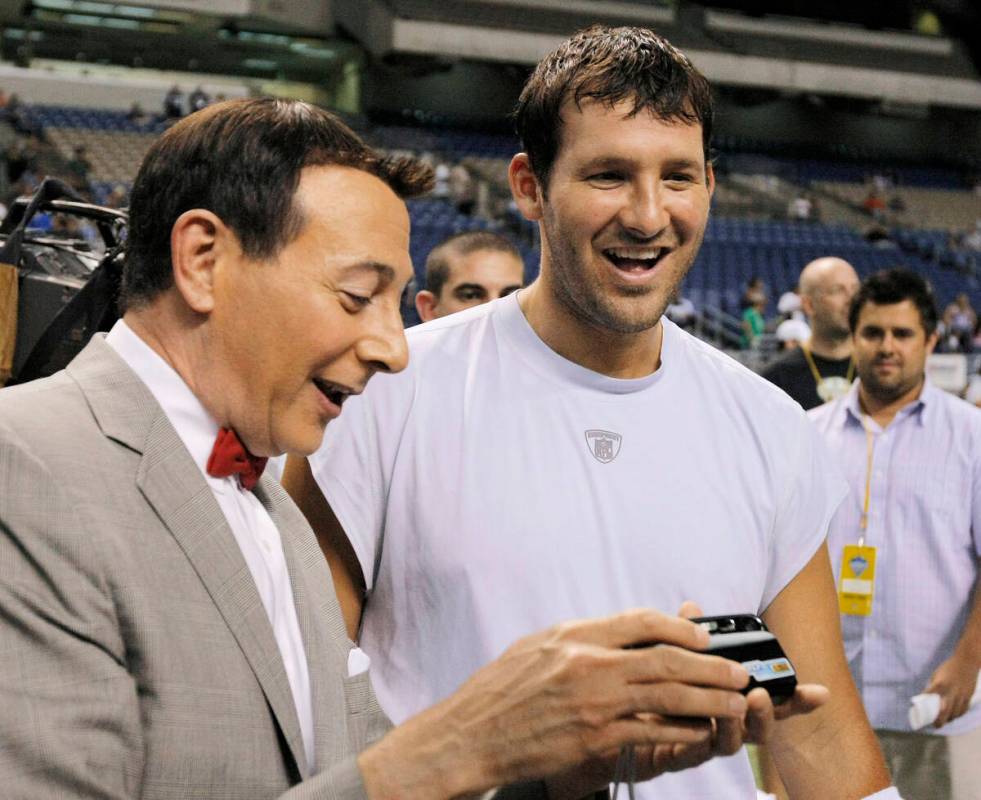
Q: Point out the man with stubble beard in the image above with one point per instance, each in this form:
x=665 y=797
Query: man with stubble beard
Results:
x=566 y=448
x=909 y=539
x=169 y=626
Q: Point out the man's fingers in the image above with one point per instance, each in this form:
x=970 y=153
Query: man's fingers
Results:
x=667 y=663
x=952 y=705
x=943 y=717
x=728 y=736
x=760 y=716
x=654 y=729
x=682 y=700
x=635 y=627
x=690 y=609
x=807 y=698
x=674 y=758
x=661 y=728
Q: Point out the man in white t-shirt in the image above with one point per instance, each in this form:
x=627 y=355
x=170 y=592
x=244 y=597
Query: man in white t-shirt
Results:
x=169 y=625
x=565 y=450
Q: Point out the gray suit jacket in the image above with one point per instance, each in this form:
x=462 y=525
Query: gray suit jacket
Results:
x=136 y=658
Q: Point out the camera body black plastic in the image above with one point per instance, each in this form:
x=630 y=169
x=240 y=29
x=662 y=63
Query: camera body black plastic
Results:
x=746 y=639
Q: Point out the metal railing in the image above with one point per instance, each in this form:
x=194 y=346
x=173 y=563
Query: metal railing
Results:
x=721 y=329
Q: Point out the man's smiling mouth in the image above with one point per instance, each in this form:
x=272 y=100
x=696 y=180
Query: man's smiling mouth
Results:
x=333 y=391
x=635 y=259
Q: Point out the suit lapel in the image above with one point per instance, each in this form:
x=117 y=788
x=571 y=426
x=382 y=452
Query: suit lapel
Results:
x=173 y=485
x=321 y=622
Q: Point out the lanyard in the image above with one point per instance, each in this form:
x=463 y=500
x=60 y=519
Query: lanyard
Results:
x=869 y=448
x=816 y=373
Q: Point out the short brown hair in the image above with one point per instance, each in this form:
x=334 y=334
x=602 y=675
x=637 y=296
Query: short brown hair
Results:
x=609 y=65
x=241 y=160
x=462 y=244
x=890 y=286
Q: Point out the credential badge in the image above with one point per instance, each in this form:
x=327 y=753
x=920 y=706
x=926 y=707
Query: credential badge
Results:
x=858 y=565
x=832 y=388
x=604 y=445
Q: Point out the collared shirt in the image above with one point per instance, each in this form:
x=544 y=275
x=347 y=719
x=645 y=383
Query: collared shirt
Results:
x=253 y=528
x=925 y=523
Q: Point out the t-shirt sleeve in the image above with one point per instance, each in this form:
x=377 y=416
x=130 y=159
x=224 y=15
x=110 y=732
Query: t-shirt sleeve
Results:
x=353 y=466
x=809 y=497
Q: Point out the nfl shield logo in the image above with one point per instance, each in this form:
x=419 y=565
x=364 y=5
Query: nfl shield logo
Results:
x=604 y=445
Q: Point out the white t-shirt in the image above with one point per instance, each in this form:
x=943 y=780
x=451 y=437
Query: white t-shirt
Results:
x=494 y=488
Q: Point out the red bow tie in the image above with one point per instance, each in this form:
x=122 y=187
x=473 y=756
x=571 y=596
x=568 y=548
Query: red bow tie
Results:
x=229 y=457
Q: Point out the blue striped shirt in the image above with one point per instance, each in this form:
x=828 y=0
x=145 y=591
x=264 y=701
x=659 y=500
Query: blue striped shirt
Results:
x=925 y=521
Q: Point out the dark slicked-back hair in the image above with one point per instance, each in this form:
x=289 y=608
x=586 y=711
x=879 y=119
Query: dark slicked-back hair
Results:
x=241 y=160
x=892 y=286
x=609 y=65
x=462 y=244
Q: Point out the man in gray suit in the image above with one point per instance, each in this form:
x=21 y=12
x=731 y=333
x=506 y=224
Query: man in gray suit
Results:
x=168 y=625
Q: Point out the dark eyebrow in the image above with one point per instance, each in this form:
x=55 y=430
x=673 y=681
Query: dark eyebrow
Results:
x=683 y=163
x=896 y=329
x=617 y=162
x=607 y=162
x=468 y=287
x=384 y=272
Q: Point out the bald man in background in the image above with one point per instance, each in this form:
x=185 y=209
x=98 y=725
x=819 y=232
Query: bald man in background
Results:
x=466 y=270
x=821 y=369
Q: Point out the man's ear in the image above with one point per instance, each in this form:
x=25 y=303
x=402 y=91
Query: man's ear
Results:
x=710 y=177
x=525 y=189
x=197 y=242
x=426 y=303
x=807 y=306
x=931 y=342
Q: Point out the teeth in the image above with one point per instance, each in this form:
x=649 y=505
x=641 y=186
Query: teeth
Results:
x=649 y=254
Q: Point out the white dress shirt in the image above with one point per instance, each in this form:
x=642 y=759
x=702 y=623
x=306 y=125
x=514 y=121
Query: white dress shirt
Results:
x=254 y=530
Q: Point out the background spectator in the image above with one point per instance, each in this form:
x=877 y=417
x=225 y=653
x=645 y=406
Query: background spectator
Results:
x=462 y=189
x=137 y=115
x=792 y=333
x=972 y=241
x=79 y=168
x=173 y=104
x=199 y=99
x=959 y=321
x=800 y=208
x=681 y=310
x=789 y=304
x=753 y=321
x=755 y=289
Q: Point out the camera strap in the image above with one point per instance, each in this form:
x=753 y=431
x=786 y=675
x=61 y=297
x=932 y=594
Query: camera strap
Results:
x=625 y=771
x=830 y=388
